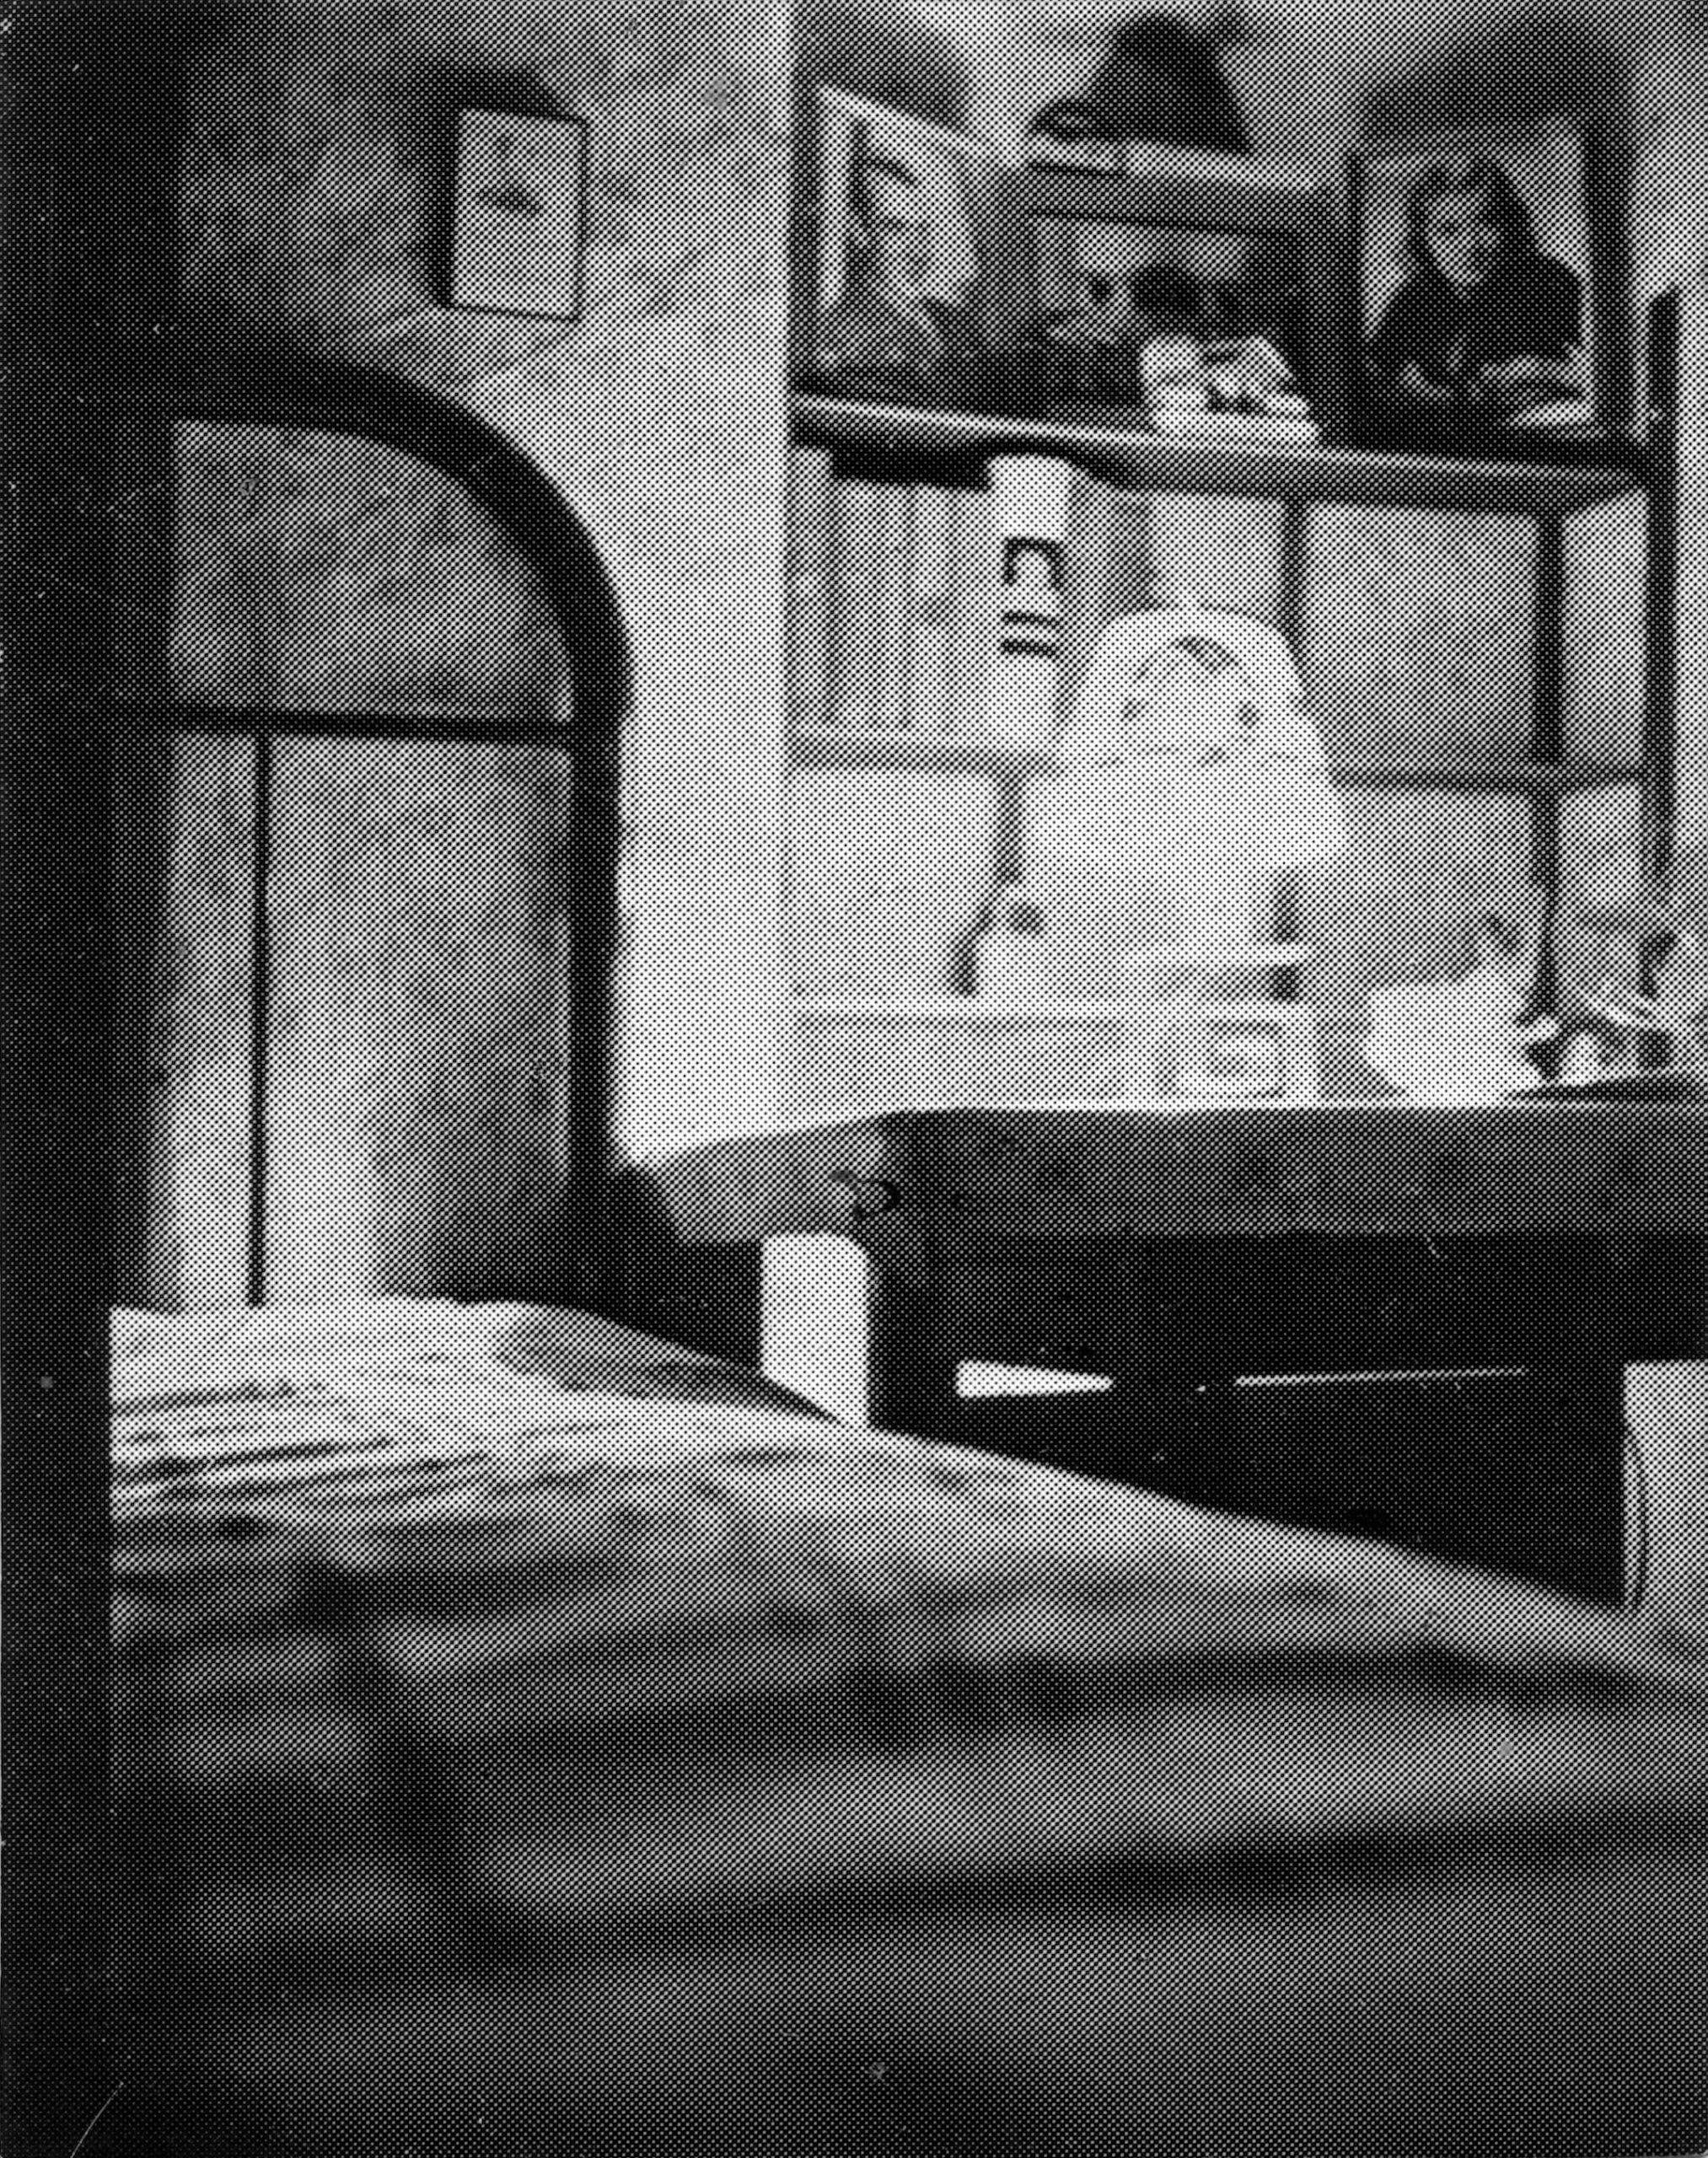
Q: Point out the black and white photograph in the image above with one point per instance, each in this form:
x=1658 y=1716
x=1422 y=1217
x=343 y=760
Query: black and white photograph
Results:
x=520 y=219
x=909 y=223
x=855 y=1274
x=1191 y=291
x=1478 y=303
x=1137 y=315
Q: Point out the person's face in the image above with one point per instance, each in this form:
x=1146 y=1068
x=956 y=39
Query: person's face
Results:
x=897 y=233
x=1462 y=237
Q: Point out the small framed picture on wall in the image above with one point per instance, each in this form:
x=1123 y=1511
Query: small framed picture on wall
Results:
x=1484 y=307
x=520 y=215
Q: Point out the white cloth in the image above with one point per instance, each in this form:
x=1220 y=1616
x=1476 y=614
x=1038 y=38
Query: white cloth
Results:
x=1284 y=732
x=1457 y=1040
x=1161 y=848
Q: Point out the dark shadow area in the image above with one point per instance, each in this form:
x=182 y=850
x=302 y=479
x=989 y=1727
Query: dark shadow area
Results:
x=895 y=57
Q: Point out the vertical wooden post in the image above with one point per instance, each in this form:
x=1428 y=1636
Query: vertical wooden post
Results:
x=57 y=1205
x=261 y=990
x=1289 y=609
x=1548 y=748
x=1660 y=589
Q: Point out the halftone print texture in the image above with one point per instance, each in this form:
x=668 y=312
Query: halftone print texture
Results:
x=515 y=1744
x=531 y=1735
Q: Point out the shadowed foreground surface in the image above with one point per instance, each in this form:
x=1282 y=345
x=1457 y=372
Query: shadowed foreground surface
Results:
x=522 y=1749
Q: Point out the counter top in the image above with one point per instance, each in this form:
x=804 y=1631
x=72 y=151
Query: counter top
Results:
x=1352 y=1168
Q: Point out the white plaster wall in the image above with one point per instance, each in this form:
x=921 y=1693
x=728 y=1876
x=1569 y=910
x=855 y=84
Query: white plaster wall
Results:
x=320 y=133
x=681 y=489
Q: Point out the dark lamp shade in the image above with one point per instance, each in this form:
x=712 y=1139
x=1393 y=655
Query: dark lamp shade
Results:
x=1159 y=81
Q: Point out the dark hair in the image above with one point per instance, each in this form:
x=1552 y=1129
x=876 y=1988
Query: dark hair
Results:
x=1165 y=288
x=1469 y=175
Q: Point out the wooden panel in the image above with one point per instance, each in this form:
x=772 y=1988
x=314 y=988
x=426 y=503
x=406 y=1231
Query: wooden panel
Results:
x=1505 y=1462
x=1666 y=1408
x=1408 y=662
x=184 y=921
x=1403 y=1169
x=1514 y=1470
x=412 y=1073
x=221 y=483
x=1602 y=633
x=320 y=572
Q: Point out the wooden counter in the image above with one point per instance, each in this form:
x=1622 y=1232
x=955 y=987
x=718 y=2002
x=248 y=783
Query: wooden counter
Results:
x=1408 y=1319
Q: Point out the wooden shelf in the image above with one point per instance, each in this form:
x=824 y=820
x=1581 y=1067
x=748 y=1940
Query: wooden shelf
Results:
x=856 y=749
x=963 y=1011
x=1044 y=1011
x=1515 y=778
x=930 y=443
